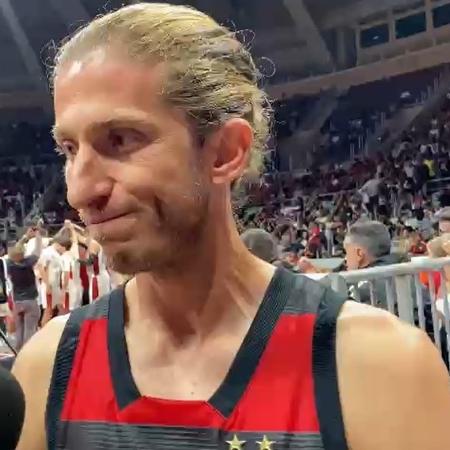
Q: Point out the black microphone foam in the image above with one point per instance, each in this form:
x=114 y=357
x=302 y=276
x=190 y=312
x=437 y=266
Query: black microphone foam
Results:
x=12 y=410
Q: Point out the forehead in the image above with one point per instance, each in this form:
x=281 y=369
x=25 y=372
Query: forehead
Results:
x=348 y=244
x=99 y=85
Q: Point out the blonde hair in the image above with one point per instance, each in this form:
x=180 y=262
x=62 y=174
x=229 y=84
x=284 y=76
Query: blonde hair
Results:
x=17 y=250
x=435 y=246
x=211 y=75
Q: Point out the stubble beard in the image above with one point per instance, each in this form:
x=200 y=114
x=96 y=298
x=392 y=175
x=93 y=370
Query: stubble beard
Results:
x=178 y=243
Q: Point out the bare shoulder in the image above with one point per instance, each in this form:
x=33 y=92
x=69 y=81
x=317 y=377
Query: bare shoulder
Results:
x=33 y=369
x=377 y=335
x=41 y=349
x=391 y=377
x=373 y=338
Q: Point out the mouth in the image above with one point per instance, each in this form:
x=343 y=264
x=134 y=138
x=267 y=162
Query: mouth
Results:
x=102 y=219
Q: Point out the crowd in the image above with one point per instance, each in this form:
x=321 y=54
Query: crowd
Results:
x=20 y=187
x=368 y=244
x=24 y=175
x=310 y=212
x=42 y=276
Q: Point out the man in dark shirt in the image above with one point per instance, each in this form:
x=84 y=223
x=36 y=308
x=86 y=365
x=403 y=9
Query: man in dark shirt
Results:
x=26 y=309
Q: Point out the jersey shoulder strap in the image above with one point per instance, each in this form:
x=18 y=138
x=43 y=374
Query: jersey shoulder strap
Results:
x=318 y=298
x=63 y=363
x=308 y=296
x=325 y=373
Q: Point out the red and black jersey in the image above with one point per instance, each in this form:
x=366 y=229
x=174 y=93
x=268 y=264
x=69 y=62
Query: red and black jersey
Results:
x=281 y=391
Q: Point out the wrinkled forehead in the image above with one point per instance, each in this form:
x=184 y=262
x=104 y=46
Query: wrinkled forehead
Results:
x=102 y=87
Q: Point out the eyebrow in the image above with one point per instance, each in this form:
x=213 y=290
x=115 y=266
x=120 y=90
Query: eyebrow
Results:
x=120 y=119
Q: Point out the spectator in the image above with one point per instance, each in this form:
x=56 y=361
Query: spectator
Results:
x=26 y=309
x=417 y=245
x=421 y=175
x=370 y=192
x=443 y=217
x=368 y=244
x=261 y=244
x=4 y=308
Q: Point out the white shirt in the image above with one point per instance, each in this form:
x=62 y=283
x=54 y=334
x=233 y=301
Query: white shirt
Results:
x=34 y=247
x=409 y=170
x=55 y=265
x=371 y=188
x=70 y=264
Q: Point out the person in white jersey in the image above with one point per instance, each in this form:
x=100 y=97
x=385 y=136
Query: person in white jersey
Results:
x=100 y=281
x=81 y=266
x=34 y=246
x=89 y=254
x=73 y=290
x=52 y=269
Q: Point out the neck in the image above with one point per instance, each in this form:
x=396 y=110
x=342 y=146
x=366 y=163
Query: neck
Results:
x=221 y=283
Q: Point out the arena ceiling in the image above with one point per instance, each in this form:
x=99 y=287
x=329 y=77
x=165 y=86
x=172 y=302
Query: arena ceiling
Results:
x=285 y=31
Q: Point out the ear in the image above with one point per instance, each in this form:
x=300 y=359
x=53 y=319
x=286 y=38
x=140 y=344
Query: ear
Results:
x=232 y=152
x=360 y=253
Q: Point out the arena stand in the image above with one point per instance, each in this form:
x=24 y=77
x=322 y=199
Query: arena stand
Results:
x=355 y=119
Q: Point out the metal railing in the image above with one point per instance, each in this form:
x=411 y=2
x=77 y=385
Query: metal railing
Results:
x=405 y=292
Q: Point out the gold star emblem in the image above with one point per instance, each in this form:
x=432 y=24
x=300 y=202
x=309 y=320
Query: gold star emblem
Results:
x=265 y=444
x=235 y=444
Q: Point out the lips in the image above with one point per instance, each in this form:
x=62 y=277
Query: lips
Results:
x=101 y=218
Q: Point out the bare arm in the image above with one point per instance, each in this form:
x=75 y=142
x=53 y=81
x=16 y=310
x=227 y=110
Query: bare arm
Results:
x=394 y=387
x=37 y=247
x=93 y=247
x=33 y=369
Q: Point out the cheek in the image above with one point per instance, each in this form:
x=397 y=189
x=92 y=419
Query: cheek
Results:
x=166 y=166
x=70 y=185
x=175 y=188
x=352 y=260
x=168 y=186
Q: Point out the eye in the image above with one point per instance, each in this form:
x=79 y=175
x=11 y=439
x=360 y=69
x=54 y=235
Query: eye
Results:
x=66 y=148
x=125 y=139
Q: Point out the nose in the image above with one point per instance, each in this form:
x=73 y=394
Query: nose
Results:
x=88 y=184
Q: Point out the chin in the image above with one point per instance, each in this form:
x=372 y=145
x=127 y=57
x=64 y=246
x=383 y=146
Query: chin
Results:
x=133 y=257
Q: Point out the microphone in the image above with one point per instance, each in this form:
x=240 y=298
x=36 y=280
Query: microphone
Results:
x=12 y=410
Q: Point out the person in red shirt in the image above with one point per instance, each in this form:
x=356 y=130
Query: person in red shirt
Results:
x=417 y=245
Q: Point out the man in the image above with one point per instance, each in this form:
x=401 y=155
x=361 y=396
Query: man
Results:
x=368 y=244
x=421 y=176
x=261 y=244
x=370 y=192
x=443 y=217
x=158 y=113
x=26 y=310
x=53 y=270
x=88 y=279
